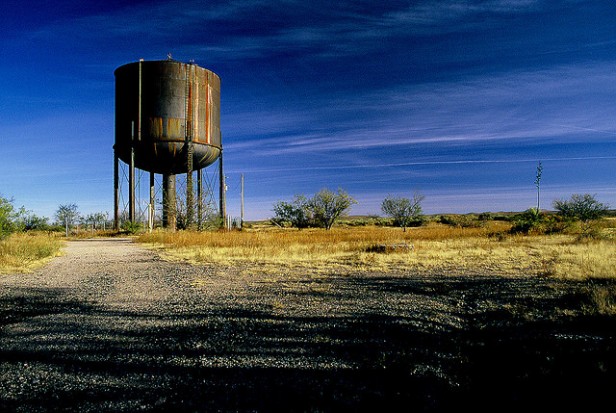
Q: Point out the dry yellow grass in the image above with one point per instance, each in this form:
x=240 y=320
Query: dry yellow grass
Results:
x=21 y=253
x=433 y=249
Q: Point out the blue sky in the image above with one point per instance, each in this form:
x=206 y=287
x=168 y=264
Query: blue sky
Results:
x=457 y=100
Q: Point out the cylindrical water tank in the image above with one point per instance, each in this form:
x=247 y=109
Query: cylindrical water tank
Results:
x=160 y=107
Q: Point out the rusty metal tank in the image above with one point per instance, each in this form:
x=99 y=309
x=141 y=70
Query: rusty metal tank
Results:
x=161 y=106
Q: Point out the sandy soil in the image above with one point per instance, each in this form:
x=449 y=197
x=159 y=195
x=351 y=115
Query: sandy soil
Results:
x=109 y=326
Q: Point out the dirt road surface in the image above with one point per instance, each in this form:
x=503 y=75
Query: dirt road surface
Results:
x=110 y=326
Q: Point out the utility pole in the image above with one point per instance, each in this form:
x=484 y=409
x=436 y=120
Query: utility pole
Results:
x=242 y=198
x=538 y=182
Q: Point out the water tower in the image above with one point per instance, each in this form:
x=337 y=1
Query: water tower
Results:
x=167 y=122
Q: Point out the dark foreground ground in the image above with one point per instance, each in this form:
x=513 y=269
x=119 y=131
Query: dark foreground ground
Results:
x=110 y=327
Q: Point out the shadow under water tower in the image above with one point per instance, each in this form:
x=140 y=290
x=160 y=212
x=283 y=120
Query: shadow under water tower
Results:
x=167 y=121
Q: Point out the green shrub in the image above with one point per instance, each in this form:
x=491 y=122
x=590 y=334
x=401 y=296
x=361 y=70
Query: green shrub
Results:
x=132 y=227
x=462 y=221
x=527 y=222
x=9 y=218
x=533 y=222
x=581 y=207
x=485 y=217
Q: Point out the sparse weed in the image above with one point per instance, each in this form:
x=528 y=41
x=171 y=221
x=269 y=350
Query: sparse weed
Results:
x=23 y=252
x=601 y=299
x=432 y=249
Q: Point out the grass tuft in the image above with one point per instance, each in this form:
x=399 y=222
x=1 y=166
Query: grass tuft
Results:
x=431 y=249
x=21 y=253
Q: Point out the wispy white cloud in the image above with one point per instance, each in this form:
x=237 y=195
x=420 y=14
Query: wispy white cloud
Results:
x=357 y=33
x=526 y=105
x=259 y=28
x=438 y=13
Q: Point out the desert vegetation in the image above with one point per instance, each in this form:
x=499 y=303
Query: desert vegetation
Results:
x=27 y=241
x=321 y=210
x=436 y=248
x=573 y=241
x=21 y=251
x=24 y=252
x=404 y=211
x=580 y=214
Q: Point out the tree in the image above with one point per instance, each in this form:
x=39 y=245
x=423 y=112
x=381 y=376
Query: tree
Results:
x=323 y=209
x=7 y=225
x=404 y=211
x=582 y=207
x=296 y=213
x=327 y=206
x=67 y=215
x=32 y=222
x=95 y=220
x=100 y=219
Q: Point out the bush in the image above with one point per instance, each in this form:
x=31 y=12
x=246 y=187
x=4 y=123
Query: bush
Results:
x=10 y=218
x=533 y=222
x=6 y=222
x=32 y=222
x=132 y=227
x=295 y=214
x=461 y=221
x=526 y=222
x=581 y=207
x=485 y=217
x=322 y=210
x=584 y=209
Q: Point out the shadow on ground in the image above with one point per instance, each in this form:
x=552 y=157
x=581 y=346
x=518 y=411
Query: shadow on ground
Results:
x=482 y=344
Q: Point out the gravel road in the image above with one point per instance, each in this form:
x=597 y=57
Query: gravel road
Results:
x=109 y=326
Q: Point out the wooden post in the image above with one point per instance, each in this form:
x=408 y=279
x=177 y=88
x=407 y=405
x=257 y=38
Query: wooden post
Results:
x=242 y=203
